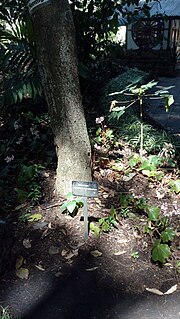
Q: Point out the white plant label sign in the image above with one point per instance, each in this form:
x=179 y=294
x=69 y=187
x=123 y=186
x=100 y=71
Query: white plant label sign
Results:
x=34 y=4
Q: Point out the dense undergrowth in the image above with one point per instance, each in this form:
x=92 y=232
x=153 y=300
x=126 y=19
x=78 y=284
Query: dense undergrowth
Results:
x=27 y=152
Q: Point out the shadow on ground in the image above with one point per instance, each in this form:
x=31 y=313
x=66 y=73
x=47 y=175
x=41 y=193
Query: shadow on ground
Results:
x=84 y=291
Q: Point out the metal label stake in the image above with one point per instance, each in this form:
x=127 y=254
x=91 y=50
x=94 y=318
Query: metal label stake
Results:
x=85 y=189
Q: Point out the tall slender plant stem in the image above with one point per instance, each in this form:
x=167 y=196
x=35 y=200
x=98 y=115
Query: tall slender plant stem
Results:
x=141 y=119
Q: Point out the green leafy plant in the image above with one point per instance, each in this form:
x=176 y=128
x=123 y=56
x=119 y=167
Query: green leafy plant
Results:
x=130 y=205
x=139 y=93
x=104 y=139
x=135 y=254
x=28 y=187
x=150 y=166
x=157 y=226
x=175 y=186
x=105 y=224
x=71 y=205
x=160 y=230
x=18 y=55
x=125 y=91
x=35 y=192
x=126 y=200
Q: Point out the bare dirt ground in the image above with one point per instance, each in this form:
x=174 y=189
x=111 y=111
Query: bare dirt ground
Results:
x=72 y=278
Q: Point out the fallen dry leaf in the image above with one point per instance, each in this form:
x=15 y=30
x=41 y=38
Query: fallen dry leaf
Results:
x=118 y=253
x=19 y=262
x=50 y=225
x=96 y=253
x=171 y=290
x=155 y=291
x=40 y=225
x=160 y=293
x=40 y=267
x=26 y=243
x=68 y=254
x=91 y=269
x=22 y=273
x=159 y=195
x=129 y=177
x=64 y=252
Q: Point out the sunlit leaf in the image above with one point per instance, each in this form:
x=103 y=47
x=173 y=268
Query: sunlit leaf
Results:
x=153 y=213
x=22 y=273
x=169 y=100
x=34 y=217
x=175 y=186
x=95 y=229
x=71 y=206
x=96 y=253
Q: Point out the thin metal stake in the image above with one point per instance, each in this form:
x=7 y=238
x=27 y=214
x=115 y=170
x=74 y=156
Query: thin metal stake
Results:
x=85 y=209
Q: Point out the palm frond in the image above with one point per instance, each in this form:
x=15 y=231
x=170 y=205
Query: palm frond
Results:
x=18 y=64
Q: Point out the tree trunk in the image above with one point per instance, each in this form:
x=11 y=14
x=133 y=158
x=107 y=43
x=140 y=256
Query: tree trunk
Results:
x=57 y=60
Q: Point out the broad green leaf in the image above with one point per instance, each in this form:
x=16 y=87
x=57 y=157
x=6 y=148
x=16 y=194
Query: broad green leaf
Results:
x=148 y=173
x=63 y=207
x=95 y=229
x=168 y=235
x=101 y=221
x=133 y=161
x=146 y=165
x=126 y=200
x=69 y=196
x=153 y=213
x=175 y=186
x=155 y=160
x=169 y=100
x=71 y=206
x=160 y=252
x=34 y=217
x=142 y=204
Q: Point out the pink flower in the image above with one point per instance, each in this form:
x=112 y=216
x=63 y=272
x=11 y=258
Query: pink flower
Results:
x=99 y=120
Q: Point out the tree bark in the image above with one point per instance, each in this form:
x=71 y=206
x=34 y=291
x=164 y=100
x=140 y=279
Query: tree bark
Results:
x=57 y=61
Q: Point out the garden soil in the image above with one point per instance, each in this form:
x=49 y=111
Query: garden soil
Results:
x=71 y=278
